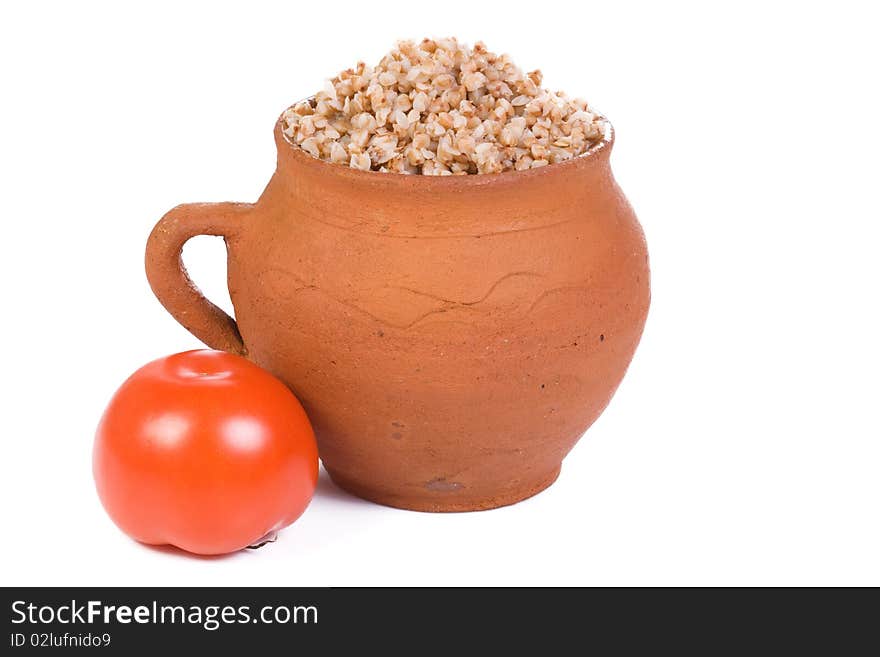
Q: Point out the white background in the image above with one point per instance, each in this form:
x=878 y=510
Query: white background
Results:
x=742 y=448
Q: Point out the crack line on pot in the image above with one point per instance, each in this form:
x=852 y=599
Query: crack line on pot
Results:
x=544 y=295
x=467 y=303
x=356 y=229
x=451 y=304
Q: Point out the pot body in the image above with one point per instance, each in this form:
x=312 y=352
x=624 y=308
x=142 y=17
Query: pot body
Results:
x=450 y=338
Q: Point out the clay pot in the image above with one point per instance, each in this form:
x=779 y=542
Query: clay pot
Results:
x=450 y=337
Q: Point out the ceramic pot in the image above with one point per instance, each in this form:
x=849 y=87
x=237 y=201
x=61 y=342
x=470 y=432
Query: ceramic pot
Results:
x=451 y=338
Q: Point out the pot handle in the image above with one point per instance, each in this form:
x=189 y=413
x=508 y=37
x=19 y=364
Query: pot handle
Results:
x=172 y=285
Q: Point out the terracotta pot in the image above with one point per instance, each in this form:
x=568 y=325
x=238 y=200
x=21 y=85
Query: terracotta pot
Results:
x=450 y=337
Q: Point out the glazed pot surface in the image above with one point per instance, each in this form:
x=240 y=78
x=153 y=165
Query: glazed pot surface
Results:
x=450 y=338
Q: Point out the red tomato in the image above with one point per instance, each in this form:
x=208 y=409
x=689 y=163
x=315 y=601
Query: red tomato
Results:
x=206 y=451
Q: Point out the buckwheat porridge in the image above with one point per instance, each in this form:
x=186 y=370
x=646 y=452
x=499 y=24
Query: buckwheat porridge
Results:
x=440 y=107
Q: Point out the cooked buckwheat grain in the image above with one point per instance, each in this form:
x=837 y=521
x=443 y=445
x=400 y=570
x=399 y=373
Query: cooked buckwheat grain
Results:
x=442 y=108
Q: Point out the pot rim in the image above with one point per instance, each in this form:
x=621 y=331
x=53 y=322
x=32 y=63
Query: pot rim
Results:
x=302 y=158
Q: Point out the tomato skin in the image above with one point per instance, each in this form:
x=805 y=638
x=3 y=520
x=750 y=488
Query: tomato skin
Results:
x=205 y=451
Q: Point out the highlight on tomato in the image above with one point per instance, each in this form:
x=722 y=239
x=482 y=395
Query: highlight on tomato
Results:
x=205 y=451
